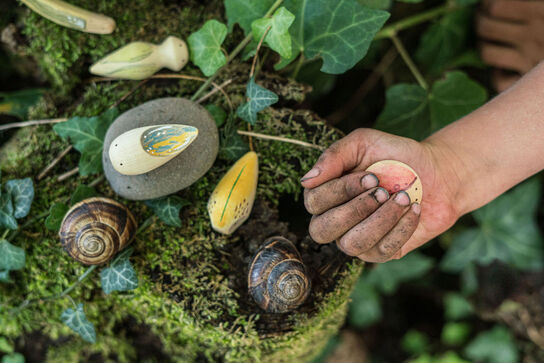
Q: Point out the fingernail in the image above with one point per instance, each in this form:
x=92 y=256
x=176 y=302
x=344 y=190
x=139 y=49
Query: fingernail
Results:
x=402 y=198
x=311 y=174
x=369 y=181
x=416 y=208
x=381 y=195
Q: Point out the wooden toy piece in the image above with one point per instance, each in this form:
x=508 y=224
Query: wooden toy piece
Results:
x=146 y=148
x=395 y=176
x=140 y=60
x=72 y=16
x=232 y=199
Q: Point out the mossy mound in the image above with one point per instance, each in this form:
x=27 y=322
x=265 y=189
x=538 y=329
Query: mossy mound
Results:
x=192 y=297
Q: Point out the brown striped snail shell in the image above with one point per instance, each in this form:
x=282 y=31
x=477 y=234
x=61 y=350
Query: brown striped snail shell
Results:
x=278 y=279
x=95 y=229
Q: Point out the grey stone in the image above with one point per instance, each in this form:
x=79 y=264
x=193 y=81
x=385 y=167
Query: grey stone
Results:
x=181 y=171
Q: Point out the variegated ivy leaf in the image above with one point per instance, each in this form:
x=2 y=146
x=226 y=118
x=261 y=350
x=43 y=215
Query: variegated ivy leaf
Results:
x=22 y=194
x=167 y=209
x=11 y=257
x=205 y=45
x=278 y=37
x=7 y=220
x=120 y=275
x=258 y=98
x=87 y=135
x=77 y=321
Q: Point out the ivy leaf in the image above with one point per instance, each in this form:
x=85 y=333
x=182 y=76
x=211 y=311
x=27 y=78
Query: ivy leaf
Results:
x=120 y=275
x=13 y=358
x=411 y=111
x=444 y=40
x=387 y=276
x=377 y=4
x=278 y=37
x=205 y=46
x=82 y=192
x=77 y=321
x=22 y=194
x=496 y=345
x=87 y=136
x=455 y=334
x=415 y=342
x=259 y=98
x=4 y=276
x=11 y=257
x=218 y=114
x=233 y=147
x=17 y=103
x=244 y=12
x=339 y=32
x=7 y=220
x=167 y=209
x=507 y=232
x=457 y=307
x=5 y=346
x=365 y=307
x=56 y=215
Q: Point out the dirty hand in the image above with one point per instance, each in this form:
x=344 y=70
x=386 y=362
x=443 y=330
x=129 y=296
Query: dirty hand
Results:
x=366 y=221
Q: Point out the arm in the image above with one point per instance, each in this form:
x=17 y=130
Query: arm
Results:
x=462 y=167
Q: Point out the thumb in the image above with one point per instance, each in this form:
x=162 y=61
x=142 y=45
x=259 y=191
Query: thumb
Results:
x=344 y=155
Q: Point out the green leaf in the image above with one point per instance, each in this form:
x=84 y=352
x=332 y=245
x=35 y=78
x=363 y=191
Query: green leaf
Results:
x=218 y=114
x=411 y=1
x=365 y=307
x=87 y=136
x=451 y=357
x=22 y=194
x=4 y=276
x=5 y=346
x=233 y=147
x=376 y=4
x=457 y=307
x=444 y=40
x=205 y=46
x=56 y=215
x=414 y=342
x=339 y=32
x=494 y=346
x=507 y=232
x=259 y=98
x=278 y=37
x=82 y=192
x=244 y=12
x=7 y=220
x=469 y=280
x=455 y=334
x=77 y=321
x=17 y=103
x=120 y=275
x=11 y=257
x=13 y=358
x=411 y=111
x=167 y=209
x=387 y=276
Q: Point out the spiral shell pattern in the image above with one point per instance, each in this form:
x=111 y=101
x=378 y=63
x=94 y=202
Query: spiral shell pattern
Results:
x=278 y=279
x=95 y=229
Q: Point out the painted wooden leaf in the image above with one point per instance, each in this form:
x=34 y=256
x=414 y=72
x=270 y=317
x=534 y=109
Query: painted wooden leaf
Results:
x=146 y=148
x=232 y=200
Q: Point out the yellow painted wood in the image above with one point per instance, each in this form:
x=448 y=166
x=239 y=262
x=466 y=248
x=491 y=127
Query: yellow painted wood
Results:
x=139 y=60
x=71 y=16
x=232 y=199
x=143 y=149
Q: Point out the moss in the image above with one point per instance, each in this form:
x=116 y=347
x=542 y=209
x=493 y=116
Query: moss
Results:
x=189 y=293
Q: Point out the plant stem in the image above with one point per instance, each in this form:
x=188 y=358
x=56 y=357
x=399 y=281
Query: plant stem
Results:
x=298 y=65
x=252 y=71
x=66 y=291
x=409 y=62
x=414 y=20
x=5 y=233
x=234 y=53
x=279 y=138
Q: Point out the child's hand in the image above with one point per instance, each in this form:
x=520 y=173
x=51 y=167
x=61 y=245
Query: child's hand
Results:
x=364 y=220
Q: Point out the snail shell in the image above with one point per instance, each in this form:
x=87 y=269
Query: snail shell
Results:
x=278 y=279
x=143 y=149
x=140 y=60
x=95 y=229
x=232 y=199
